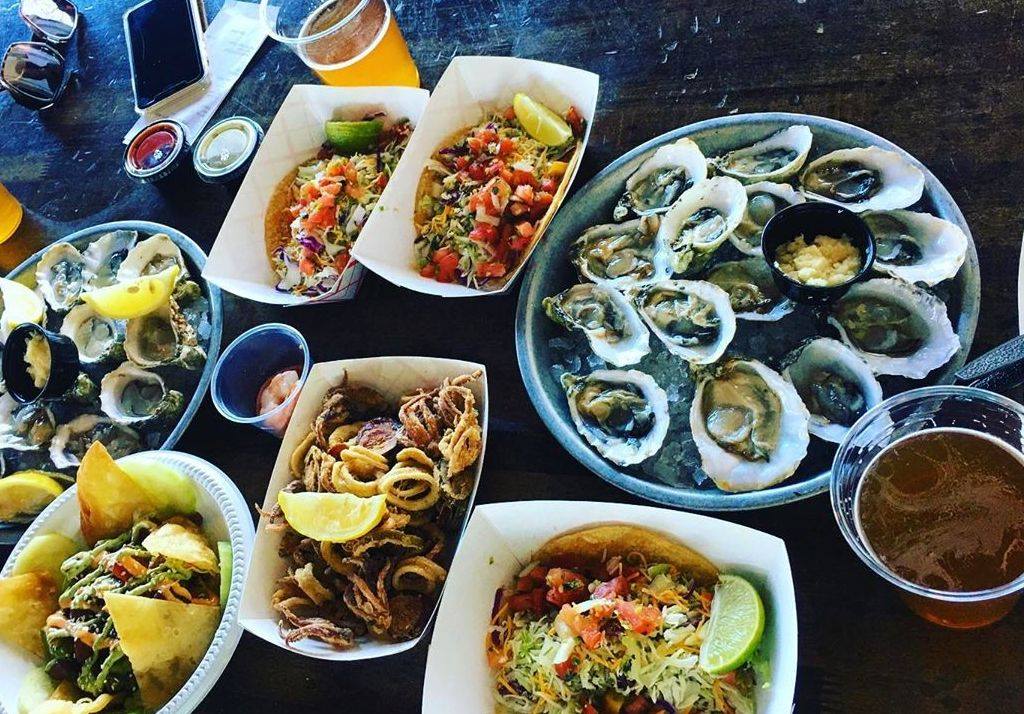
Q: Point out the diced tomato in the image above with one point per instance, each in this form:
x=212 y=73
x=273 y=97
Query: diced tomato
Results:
x=461 y=162
x=447 y=263
x=525 y=229
x=120 y=572
x=322 y=217
x=492 y=269
x=518 y=209
x=486 y=135
x=543 y=198
x=520 y=177
x=427 y=271
x=589 y=708
x=494 y=168
x=573 y=119
x=475 y=144
x=532 y=601
x=354 y=190
x=506 y=146
x=306 y=265
x=382 y=181
x=336 y=169
x=564 y=669
x=548 y=184
x=330 y=188
x=510 y=113
x=506 y=176
x=476 y=172
x=309 y=191
x=483 y=233
x=524 y=193
x=565 y=586
x=643 y=620
x=341 y=261
x=617 y=586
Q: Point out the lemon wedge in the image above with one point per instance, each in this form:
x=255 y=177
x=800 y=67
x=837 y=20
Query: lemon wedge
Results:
x=170 y=490
x=540 y=122
x=332 y=517
x=133 y=298
x=44 y=554
x=19 y=304
x=26 y=493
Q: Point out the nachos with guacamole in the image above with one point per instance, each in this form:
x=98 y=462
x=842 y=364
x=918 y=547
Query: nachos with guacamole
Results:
x=121 y=619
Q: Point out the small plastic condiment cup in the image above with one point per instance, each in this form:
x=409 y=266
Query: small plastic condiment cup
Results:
x=224 y=151
x=245 y=366
x=809 y=220
x=64 y=364
x=157 y=151
x=938 y=407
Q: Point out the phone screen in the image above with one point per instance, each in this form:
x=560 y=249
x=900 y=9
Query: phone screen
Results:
x=163 y=40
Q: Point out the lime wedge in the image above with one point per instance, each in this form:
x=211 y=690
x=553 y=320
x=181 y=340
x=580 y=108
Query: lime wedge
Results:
x=26 y=493
x=735 y=628
x=226 y=568
x=332 y=517
x=540 y=122
x=19 y=304
x=350 y=137
x=134 y=298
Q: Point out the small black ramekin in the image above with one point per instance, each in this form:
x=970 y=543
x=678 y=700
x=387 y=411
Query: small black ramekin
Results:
x=64 y=364
x=812 y=219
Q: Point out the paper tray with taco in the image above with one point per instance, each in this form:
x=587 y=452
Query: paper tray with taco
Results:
x=120 y=620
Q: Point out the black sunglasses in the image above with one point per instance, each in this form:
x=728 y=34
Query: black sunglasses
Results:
x=34 y=73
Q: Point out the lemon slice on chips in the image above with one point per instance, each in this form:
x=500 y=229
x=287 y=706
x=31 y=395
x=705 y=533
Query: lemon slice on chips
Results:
x=134 y=298
x=332 y=517
x=19 y=304
x=26 y=493
x=540 y=122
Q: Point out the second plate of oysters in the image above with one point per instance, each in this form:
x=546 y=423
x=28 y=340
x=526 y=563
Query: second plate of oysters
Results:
x=657 y=348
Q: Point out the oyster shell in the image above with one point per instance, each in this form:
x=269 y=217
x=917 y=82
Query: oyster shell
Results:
x=774 y=158
x=896 y=327
x=61 y=275
x=98 y=338
x=130 y=394
x=104 y=256
x=25 y=427
x=701 y=220
x=150 y=256
x=749 y=426
x=764 y=200
x=615 y=332
x=863 y=179
x=916 y=247
x=751 y=289
x=662 y=178
x=163 y=337
x=73 y=439
x=622 y=255
x=693 y=319
x=623 y=414
x=836 y=386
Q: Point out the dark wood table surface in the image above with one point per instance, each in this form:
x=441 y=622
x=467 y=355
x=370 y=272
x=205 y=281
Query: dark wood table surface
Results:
x=941 y=79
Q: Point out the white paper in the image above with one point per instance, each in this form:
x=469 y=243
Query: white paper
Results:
x=225 y=518
x=469 y=89
x=238 y=260
x=232 y=40
x=393 y=377
x=501 y=539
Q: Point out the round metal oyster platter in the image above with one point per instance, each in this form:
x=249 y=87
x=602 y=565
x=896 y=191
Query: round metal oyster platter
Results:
x=673 y=473
x=110 y=365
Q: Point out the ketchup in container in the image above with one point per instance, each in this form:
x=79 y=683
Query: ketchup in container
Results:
x=156 y=151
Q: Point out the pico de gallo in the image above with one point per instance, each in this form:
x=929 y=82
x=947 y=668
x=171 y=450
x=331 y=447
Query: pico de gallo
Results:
x=483 y=198
x=620 y=638
x=331 y=198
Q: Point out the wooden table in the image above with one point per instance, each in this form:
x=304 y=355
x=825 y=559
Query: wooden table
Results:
x=940 y=79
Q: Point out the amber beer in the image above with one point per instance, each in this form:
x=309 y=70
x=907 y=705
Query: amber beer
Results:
x=10 y=214
x=944 y=509
x=357 y=43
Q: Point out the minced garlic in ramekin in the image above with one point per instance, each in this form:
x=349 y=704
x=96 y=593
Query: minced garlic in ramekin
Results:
x=826 y=262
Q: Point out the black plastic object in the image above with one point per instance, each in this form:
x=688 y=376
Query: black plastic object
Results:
x=64 y=365
x=34 y=74
x=998 y=370
x=809 y=220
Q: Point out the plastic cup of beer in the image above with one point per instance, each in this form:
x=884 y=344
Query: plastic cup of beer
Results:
x=346 y=42
x=10 y=214
x=927 y=489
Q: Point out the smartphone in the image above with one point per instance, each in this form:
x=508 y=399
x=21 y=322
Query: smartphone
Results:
x=166 y=50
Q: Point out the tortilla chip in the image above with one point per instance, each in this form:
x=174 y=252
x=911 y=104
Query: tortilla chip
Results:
x=163 y=640
x=594 y=544
x=277 y=221
x=178 y=543
x=108 y=498
x=25 y=603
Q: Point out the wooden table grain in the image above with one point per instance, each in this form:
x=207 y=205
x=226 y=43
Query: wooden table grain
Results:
x=941 y=79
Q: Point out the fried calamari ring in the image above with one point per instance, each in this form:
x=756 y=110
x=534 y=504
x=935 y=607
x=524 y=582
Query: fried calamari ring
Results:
x=363 y=462
x=418 y=574
x=411 y=484
x=344 y=481
x=338 y=438
x=298 y=458
x=317 y=467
